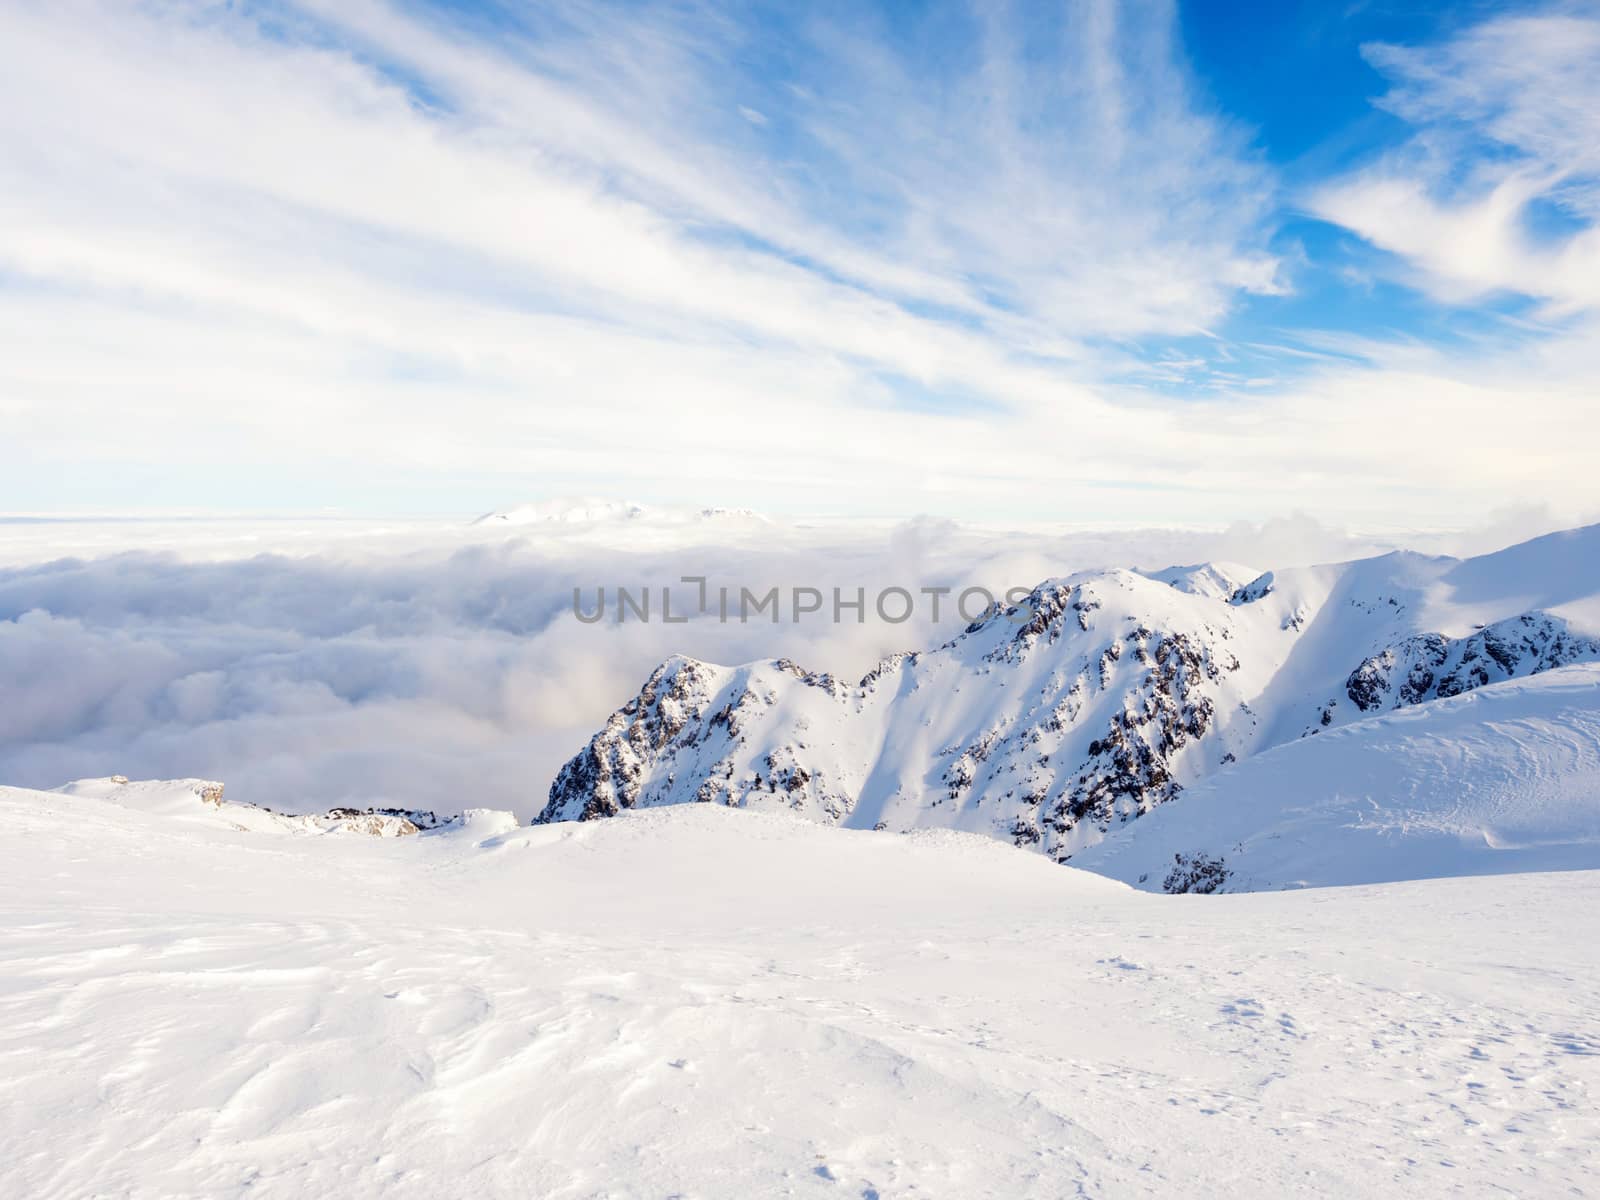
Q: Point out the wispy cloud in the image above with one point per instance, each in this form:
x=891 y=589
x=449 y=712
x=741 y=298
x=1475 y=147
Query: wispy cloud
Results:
x=508 y=252
x=1499 y=189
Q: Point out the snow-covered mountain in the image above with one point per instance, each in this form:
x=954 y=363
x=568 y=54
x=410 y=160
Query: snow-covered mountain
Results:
x=1501 y=778
x=1102 y=696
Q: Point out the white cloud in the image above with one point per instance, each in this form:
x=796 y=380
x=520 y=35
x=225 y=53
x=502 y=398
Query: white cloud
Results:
x=562 y=261
x=1507 y=116
x=235 y=229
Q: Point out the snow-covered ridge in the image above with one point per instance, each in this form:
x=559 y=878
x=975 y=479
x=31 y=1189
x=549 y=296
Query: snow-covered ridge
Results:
x=1431 y=666
x=1215 y=579
x=200 y=801
x=1104 y=695
x=586 y=510
x=1501 y=778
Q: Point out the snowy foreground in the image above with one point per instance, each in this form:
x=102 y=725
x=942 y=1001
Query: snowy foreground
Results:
x=708 y=1002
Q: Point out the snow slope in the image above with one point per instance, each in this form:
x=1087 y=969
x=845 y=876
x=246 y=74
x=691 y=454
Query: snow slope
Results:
x=1105 y=694
x=704 y=1002
x=1503 y=778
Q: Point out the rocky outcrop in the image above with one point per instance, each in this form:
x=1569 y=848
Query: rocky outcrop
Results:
x=1196 y=874
x=1129 y=769
x=671 y=714
x=1431 y=666
x=371 y=822
x=1257 y=589
x=201 y=801
x=381 y=822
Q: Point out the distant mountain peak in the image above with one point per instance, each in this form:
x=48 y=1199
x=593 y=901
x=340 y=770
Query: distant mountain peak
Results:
x=589 y=510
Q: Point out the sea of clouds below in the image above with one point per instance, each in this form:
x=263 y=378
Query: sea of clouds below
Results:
x=438 y=665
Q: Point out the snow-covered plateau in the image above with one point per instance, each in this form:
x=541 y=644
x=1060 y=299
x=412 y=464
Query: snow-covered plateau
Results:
x=701 y=1001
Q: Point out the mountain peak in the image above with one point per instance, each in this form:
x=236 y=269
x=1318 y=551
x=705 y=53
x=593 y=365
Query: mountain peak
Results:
x=1054 y=722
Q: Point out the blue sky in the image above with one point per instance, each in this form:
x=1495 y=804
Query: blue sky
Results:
x=1093 y=261
x=1295 y=74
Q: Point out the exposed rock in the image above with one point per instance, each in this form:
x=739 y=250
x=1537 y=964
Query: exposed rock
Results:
x=1128 y=769
x=1257 y=589
x=373 y=822
x=1199 y=874
x=663 y=719
x=1431 y=666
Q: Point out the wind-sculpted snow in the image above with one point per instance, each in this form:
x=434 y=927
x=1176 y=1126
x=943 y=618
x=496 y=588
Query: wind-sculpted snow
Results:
x=703 y=1002
x=1054 y=723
